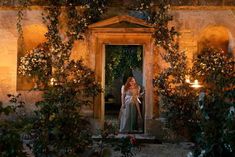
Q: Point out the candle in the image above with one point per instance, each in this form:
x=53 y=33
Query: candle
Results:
x=196 y=84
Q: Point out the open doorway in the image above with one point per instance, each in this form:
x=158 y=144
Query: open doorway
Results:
x=121 y=62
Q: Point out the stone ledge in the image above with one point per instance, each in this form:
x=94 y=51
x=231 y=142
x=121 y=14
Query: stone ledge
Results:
x=141 y=138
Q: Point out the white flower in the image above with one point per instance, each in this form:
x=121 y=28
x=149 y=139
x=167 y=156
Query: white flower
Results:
x=231 y=110
x=207 y=117
x=190 y=154
x=201 y=107
x=202 y=153
x=228 y=147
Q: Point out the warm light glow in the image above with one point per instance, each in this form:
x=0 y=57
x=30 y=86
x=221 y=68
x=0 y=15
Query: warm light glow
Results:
x=187 y=79
x=196 y=84
x=52 y=81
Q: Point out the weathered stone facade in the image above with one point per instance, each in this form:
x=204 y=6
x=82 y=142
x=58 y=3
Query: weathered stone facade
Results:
x=196 y=24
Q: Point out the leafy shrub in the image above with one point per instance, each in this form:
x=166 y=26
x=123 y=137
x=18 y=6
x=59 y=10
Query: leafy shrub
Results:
x=11 y=144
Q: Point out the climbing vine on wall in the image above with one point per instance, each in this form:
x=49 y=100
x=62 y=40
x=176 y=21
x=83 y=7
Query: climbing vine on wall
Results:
x=205 y=116
x=170 y=84
x=58 y=45
x=58 y=128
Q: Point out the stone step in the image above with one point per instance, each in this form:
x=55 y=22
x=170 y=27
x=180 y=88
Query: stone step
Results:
x=141 y=138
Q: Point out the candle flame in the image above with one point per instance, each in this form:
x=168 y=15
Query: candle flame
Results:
x=196 y=84
x=52 y=81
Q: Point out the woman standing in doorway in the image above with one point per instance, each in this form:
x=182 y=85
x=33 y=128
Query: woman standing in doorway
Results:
x=130 y=109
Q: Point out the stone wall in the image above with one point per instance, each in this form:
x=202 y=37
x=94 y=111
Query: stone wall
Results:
x=190 y=21
x=8 y=55
x=193 y=23
x=8 y=52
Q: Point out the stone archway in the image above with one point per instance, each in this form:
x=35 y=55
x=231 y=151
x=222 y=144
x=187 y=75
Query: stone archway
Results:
x=215 y=37
x=33 y=36
x=121 y=30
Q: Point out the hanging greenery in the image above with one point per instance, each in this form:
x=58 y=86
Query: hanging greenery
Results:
x=170 y=84
x=205 y=116
x=58 y=128
x=68 y=84
x=11 y=128
x=121 y=59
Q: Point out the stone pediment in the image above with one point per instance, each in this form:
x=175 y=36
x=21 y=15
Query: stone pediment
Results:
x=124 y=21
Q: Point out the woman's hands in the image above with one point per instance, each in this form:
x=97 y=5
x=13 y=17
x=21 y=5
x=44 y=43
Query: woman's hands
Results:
x=141 y=94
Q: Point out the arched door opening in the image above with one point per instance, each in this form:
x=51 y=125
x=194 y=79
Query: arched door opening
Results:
x=218 y=37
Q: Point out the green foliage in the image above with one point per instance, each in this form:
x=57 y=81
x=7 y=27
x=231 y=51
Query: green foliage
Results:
x=11 y=144
x=10 y=141
x=58 y=128
x=215 y=69
x=209 y=122
x=36 y=63
x=217 y=129
x=127 y=145
x=120 y=59
x=178 y=100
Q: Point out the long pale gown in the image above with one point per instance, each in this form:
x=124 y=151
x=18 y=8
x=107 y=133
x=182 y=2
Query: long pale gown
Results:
x=128 y=115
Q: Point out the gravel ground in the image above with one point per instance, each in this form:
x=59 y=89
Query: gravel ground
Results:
x=150 y=150
x=161 y=150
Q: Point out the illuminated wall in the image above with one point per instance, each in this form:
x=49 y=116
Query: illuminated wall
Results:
x=196 y=25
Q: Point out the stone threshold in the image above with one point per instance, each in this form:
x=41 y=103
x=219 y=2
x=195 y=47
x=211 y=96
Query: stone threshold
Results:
x=141 y=138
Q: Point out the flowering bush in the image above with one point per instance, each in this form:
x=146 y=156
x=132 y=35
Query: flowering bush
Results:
x=36 y=63
x=58 y=127
x=216 y=135
x=128 y=146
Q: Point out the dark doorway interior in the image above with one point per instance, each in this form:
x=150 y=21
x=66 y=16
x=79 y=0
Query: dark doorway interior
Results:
x=121 y=61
